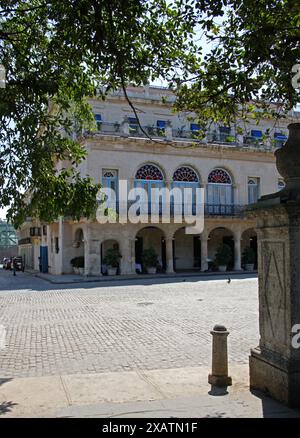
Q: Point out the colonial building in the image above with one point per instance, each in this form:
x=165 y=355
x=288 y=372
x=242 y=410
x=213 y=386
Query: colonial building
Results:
x=234 y=169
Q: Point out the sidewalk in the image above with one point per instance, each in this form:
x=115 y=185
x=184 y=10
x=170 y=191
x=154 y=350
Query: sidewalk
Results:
x=72 y=278
x=180 y=392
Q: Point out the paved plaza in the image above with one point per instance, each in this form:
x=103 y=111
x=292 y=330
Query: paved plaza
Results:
x=145 y=324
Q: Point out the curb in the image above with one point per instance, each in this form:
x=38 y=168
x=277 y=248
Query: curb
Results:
x=141 y=277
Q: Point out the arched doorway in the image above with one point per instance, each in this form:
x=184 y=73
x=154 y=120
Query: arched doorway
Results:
x=217 y=237
x=187 y=251
x=108 y=244
x=249 y=240
x=150 y=237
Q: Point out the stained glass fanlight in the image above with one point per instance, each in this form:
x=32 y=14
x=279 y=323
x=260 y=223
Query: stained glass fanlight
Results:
x=149 y=172
x=219 y=176
x=185 y=174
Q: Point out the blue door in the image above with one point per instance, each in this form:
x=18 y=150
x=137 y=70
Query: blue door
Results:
x=44 y=259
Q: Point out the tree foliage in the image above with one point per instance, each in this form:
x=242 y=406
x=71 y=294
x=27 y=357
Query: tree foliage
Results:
x=58 y=53
x=254 y=45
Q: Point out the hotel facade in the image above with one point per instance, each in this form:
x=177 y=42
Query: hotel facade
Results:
x=233 y=169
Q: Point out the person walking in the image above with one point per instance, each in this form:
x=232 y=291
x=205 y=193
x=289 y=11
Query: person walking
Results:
x=14 y=265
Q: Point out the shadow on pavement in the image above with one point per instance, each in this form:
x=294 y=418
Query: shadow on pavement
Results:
x=4 y=380
x=274 y=409
x=217 y=391
x=6 y=407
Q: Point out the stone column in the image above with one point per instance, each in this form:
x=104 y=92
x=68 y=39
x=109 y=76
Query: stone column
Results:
x=169 y=254
x=275 y=363
x=237 y=252
x=132 y=254
x=219 y=373
x=87 y=244
x=125 y=127
x=126 y=260
x=168 y=131
x=204 y=252
x=92 y=257
x=60 y=246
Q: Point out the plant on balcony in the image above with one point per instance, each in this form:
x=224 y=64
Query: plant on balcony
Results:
x=230 y=139
x=150 y=260
x=112 y=259
x=249 y=258
x=223 y=256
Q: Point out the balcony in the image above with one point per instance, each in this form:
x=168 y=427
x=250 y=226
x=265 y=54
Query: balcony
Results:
x=223 y=210
x=24 y=241
x=231 y=140
x=210 y=210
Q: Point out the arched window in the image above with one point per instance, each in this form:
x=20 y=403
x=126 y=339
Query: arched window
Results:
x=253 y=190
x=185 y=178
x=110 y=181
x=150 y=178
x=219 y=176
x=219 y=193
x=185 y=174
x=149 y=172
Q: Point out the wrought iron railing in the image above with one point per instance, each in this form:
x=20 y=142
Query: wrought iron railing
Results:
x=147 y=208
x=223 y=210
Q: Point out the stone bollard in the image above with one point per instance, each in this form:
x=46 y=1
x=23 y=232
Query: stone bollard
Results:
x=219 y=375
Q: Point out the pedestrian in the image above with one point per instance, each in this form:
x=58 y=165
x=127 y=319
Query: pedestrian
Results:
x=14 y=265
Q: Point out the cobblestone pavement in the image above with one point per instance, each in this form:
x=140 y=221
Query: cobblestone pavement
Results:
x=145 y=324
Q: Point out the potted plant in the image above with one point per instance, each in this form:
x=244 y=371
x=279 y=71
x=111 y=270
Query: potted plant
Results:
x=111 y=259
x=149 y=260
x=223 y=257
x=78 y=265
x=249 y=257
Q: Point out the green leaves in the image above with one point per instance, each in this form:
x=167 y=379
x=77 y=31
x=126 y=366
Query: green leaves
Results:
x=56 y=55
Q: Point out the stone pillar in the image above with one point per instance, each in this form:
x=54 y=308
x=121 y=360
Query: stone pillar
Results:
x=92 y=257
x=275 y=363
x=240 y=139
x=168 y=131
x=219 y=373
x=126 y=260
x=204 y=252
x=87 y=244
x=237 y=252
x=125 y=127
x=132 y=253
x=169 y=254
x=60 y=246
